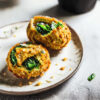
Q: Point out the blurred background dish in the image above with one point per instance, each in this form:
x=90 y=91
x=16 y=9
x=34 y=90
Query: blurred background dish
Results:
x=77 y=6
x=7 y=3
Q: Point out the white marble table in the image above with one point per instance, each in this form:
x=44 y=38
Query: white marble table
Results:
x=87 y=26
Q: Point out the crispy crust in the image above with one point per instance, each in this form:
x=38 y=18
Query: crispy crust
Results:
x=56 y=39
x=22 y=72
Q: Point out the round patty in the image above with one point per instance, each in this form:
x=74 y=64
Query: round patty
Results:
x=28 y=60
x=51 y=32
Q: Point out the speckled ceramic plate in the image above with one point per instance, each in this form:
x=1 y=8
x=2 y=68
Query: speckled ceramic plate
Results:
x=64 y=63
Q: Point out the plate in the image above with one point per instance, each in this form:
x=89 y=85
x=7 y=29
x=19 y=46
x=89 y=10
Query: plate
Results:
x=64 y=63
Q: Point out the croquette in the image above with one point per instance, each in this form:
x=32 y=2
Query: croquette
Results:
x=27 y=60
x=51 y=32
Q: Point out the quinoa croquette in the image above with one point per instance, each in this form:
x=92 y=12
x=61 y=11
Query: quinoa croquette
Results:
x=49 y=31
x=28 y=60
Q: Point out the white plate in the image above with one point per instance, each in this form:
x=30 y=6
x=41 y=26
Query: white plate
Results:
x=9 y=84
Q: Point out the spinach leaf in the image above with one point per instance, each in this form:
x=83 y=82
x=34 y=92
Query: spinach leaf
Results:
x=13 y=57
x=31 y=63
x=43 y=28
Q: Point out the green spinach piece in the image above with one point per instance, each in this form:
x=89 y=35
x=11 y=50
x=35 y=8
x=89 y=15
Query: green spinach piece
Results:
x=60 y=24
x=91 y=77
x=43 y=28
x=13 y=57
x=31 y=63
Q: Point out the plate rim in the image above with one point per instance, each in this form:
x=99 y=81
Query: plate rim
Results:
x=51 y=86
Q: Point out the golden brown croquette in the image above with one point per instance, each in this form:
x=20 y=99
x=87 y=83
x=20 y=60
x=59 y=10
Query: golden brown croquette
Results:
x=28 y=60
x=49 y=31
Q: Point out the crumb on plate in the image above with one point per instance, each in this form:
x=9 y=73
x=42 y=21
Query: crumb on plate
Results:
x=64 y=59
x=48 y=81
x=62 y=68
x=38 y=84
x=14 y=35
x=56 y=64
x=16 y=27
x=70 y=69
x=52 y=77
x=5 y=32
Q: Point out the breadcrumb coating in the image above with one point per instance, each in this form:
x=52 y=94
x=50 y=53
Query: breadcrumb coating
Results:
x=56 y=39
x=22 y=53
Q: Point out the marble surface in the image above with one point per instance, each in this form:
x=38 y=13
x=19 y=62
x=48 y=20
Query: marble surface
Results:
x=86 y=25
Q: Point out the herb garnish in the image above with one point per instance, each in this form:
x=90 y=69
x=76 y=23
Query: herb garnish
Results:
x=54 y=25
x=16 y=27
x=91 y=77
